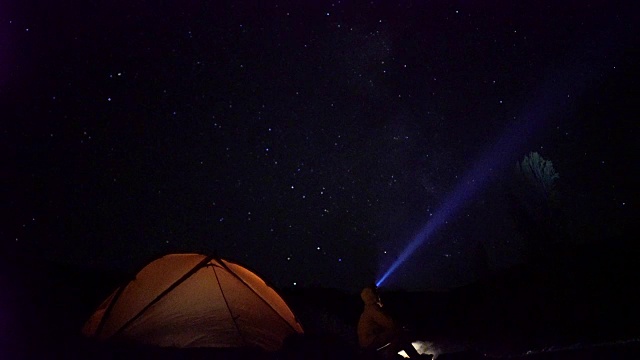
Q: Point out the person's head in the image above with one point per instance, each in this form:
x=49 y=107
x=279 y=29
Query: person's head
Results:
x=369 y=295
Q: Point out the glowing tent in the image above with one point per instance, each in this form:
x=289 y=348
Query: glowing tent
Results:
x=192 y=300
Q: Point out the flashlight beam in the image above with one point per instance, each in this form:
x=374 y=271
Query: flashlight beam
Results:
x=479 y=175
x=551 y=97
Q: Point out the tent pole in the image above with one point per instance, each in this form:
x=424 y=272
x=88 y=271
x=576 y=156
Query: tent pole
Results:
x=244 y=341
x=107 y=312
x=165 y=292
x=258 y=295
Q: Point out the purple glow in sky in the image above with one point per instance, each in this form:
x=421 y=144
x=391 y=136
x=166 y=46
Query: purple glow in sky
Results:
x=5 y=50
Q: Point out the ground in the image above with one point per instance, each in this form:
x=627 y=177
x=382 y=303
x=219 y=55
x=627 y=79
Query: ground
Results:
x=521 y=310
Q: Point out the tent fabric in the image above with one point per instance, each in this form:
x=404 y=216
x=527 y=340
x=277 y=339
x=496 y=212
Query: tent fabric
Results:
x=191 y=300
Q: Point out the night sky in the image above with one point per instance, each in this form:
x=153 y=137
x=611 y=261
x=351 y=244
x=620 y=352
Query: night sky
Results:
x=310 y=140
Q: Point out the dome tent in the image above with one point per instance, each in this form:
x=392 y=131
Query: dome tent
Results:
x=192 y=300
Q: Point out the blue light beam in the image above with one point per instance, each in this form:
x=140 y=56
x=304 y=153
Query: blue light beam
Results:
x=481 y=173
x=593 y=63
x=512 y=141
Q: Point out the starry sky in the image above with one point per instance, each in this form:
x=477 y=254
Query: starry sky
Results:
x=308 y=140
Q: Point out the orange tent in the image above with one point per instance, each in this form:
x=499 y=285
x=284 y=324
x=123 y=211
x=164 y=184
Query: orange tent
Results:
x=192 y=300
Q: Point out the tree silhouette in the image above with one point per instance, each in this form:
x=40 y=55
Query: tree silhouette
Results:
x=535 y=206
x=538 y=173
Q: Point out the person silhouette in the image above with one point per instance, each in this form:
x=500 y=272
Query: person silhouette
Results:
x=378 y=332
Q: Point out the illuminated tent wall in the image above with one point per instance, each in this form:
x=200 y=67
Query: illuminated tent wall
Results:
x=192 y=300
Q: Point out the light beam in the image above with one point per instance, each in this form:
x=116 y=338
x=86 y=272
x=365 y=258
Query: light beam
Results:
x=513 y=141
x=479 y=175
x=558 y=92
